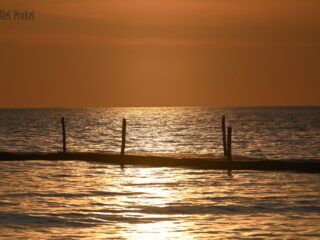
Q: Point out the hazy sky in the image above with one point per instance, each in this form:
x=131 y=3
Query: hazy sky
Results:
x=80 y=53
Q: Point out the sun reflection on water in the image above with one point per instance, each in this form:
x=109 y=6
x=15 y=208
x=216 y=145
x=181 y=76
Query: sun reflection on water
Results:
x=156 y=231
x=156 y=189
x=81 y=200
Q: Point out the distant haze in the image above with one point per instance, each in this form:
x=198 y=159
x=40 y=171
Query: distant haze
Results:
x=90 y=53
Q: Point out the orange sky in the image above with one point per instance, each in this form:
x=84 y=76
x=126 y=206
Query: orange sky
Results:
x=88 y=53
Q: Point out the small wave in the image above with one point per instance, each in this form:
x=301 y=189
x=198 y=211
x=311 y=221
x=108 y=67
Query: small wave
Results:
x=225 y=209
x=93 y=217
x=62 y=176
x=100 y=193
x=12 y=219
x=7 y=204
x=125 y=219
x=71 y=195
x=66 y=195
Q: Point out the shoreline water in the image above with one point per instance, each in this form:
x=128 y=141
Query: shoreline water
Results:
x=192 y=161
x=93 y=200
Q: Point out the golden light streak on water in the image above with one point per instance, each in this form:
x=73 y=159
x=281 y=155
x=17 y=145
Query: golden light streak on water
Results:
x=156 y=231
x=81 y=200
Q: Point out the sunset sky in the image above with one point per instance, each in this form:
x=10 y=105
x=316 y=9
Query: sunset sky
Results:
x=101 y=53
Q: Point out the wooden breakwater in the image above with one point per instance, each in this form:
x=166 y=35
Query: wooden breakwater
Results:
x=227 y=162
x=123 y=140
x=64 y=141
x=159 y=161
x=226 y=139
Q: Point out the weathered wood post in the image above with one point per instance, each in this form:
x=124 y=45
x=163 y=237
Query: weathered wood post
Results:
x=124 y=127
x=229 y=143
x=64 y=144
x=224 y=142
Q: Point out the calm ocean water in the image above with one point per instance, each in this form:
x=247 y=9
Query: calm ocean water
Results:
x=84 y=200
x=267 y=132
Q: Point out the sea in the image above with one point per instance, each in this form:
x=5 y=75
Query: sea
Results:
x=42 y=199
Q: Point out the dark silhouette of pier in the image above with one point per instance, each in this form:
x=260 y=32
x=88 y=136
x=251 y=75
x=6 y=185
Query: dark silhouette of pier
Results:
x=238 y=163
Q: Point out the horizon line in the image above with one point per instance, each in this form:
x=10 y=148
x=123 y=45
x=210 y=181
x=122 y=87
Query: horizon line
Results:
x=182 y=106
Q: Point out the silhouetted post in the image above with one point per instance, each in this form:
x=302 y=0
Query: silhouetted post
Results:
x=124 y=127
x=63 y=135
x=229 y=142
x=224 y=142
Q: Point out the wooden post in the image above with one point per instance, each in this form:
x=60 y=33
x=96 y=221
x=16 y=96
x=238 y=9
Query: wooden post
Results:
x=124 y=127
x=229 y=142
x=224 y=142
x=64 y=144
